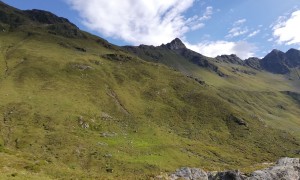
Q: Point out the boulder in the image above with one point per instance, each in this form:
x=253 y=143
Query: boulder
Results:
x=227 y=175
x=189 y=174
x=284 y=169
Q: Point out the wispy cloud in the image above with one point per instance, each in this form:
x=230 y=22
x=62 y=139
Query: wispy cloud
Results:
x=239 y=22
x=286 y=29
x=242 y=49
x=207 y=14
x=237 y=29
x=254 y=33
x=140 y=21
x=196 y=22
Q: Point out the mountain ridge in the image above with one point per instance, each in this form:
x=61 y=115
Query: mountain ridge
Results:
x=276 y=61
x=12 y=19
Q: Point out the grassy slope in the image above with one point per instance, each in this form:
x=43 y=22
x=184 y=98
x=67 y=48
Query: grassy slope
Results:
x=257 y=93
x=142 y=118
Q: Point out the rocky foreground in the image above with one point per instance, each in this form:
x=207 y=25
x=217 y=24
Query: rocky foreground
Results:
x=284 y=169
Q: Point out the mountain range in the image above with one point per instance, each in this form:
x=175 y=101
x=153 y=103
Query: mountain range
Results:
x=276 y=61
x=74 y=106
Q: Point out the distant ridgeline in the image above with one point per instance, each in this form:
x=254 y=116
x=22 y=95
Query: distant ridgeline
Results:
x=275 y=62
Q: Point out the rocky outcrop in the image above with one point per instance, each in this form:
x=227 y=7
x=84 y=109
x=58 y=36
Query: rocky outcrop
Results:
x=46 y=17
x=118 y=57
x=233 y=59
x=176 y=44
x=284 y=169
x=201 y=61
x=253 y=62
x=189 y=173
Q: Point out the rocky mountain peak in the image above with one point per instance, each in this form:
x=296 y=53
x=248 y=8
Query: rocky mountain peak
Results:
x=275 y=55
x=276 y=51
x=293 y=53
x=275 y=62
x=293 y=58
x=176 y=44
x=293 y=50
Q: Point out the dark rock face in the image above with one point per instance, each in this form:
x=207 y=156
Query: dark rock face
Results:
x=253 y=62
x=280 y=63
x=176 y=44
x=14 y=19
x=293 y=58
x=46 y=17
x=200 y=60
x=233 y=59
x=228 y=175
x=275 y=62
x=284 y=169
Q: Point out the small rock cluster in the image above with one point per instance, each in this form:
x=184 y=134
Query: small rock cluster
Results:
x=284 y=169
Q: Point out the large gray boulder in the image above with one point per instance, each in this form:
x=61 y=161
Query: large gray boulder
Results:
x=189 y=174
x=285 y=169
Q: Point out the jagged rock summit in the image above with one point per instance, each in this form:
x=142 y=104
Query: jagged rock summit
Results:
x=176 y=44
x=275 y=62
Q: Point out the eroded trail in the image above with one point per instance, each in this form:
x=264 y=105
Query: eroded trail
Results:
x=9 y=51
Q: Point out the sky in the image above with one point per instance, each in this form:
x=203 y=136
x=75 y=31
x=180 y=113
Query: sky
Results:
x=246 y=28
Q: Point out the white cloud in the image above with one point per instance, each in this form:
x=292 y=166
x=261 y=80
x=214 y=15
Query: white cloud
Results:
x=196 y=22
x=254 y=33
x=239 y=22
x=207 y=14
x=214 y=48
x=286 y=30
x=237 y=29
x=197 y=26
x=140 y=21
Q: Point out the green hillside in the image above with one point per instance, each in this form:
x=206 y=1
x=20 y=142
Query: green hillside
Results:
x=257 y=93
x=76 y=107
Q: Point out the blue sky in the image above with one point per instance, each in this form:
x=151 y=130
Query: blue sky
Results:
x=211 y=27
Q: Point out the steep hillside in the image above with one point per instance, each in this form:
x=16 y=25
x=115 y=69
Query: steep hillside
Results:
x=252 y=86
x=76 y=107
